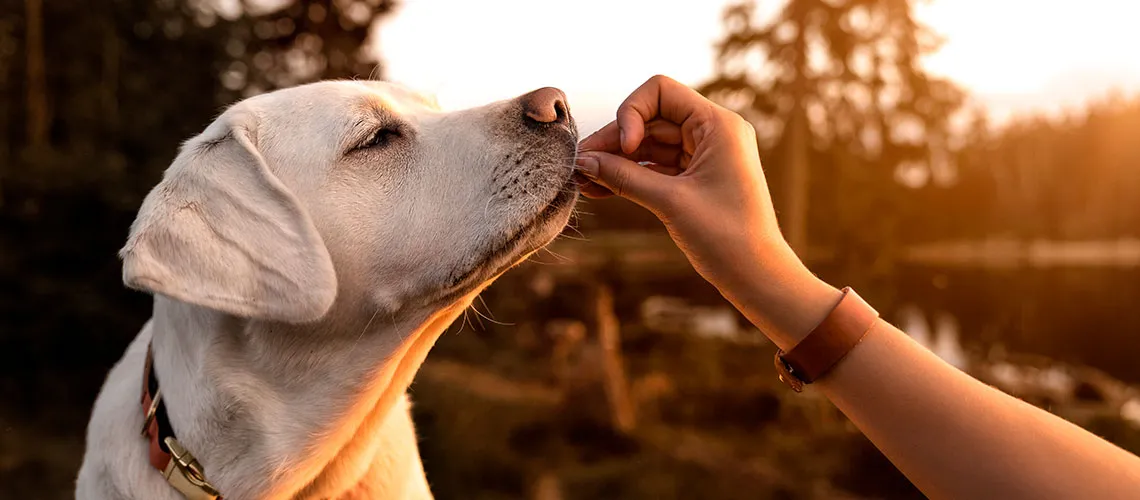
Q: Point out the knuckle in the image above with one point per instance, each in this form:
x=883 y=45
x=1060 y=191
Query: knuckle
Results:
x=746 y=126
x=720 y=115
x=662 y=82
x=620 y=182
x=736 y=123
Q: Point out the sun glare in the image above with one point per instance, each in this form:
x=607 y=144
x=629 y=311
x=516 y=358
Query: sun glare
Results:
x=1034 y=48
x=1012 y=55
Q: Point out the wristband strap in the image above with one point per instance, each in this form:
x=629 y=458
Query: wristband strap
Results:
x=828 y=343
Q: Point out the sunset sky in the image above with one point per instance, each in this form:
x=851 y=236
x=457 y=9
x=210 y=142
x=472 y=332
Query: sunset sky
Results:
x=1014 y=55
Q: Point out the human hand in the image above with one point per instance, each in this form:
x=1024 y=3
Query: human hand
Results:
x=696 y=166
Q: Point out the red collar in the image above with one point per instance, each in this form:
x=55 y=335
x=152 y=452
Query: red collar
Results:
x=155 y=414
x=166 y=454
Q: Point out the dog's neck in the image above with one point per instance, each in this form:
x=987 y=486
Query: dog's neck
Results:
x=280 y=411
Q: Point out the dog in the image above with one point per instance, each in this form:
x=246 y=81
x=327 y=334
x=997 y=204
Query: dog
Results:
x=304 y=253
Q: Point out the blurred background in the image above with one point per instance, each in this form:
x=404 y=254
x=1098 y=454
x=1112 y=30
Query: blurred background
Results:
x=972 y=167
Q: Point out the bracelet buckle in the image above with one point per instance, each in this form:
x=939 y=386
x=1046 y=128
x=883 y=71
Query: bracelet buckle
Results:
x=787 y=373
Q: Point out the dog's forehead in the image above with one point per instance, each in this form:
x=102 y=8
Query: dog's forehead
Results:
x=404 y=95
x=343 y=97
x=391 y=97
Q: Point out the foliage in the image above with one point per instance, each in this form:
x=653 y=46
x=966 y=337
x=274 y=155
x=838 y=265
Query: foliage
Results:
x=841 y=105
x=1072 y=177
x=124 y=82
x=93 y=106
x=867 y=153
x=852 y=66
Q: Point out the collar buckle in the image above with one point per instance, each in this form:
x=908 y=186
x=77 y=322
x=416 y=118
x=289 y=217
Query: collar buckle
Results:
x=185 y=474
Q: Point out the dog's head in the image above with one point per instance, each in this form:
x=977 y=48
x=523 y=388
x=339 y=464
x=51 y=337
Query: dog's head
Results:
x=359 y=188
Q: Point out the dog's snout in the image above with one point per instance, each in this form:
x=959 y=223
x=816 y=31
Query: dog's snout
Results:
x=546 y=105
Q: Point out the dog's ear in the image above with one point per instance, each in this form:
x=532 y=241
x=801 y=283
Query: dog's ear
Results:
x=221 y=231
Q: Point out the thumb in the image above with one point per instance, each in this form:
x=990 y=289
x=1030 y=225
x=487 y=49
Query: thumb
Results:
x=625 y=178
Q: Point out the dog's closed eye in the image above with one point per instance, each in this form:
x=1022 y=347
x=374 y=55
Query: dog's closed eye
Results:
x=381 y=138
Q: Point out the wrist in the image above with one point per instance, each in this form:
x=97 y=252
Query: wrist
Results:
x=782 y=297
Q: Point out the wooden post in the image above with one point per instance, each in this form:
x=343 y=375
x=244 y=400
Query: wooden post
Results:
x=547 y=487
x=568 y=338
x=609 y=339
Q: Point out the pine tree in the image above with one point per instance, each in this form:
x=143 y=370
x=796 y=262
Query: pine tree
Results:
x=842 y=108
x=95 y=98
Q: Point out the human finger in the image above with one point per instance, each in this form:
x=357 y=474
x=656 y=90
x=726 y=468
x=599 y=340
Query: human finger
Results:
x=662 y=97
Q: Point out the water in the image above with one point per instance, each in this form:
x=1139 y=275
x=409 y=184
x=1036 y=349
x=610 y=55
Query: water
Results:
x=1084 y=315
x=1076 y=302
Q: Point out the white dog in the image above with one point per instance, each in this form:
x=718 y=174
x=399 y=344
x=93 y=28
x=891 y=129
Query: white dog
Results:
x=304 y=253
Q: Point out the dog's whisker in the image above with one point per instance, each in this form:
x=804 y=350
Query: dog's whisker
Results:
x=365 y=329
x=463 y=324
x=537 y=262
x=478 y=316
x=487 y=316
x=561 y=259
x=559 y=256
x=580 y=237
x=484 y=302
x=487 y=206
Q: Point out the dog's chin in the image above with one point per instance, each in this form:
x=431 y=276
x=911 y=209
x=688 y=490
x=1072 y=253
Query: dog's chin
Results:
x=539 y=231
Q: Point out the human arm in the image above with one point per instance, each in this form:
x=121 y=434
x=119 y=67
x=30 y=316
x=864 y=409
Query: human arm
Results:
x=953 y=436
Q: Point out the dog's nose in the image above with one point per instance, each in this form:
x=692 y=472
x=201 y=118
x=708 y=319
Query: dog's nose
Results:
x=546 y=105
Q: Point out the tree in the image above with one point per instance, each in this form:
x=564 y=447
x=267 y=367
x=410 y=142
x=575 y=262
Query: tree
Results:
x=37 y=94
x=835 y=87
x=167 y=65
x=90 y=116
x=304 y=41
x=1064 y=178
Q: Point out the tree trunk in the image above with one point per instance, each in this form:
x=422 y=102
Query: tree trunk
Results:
x=798 y=178
x=109 y=89
x=5 y=118
x=37 y=113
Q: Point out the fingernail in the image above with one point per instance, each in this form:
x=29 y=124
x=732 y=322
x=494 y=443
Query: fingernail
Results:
x=587 y=165
x=581 y=180
x=621 y=139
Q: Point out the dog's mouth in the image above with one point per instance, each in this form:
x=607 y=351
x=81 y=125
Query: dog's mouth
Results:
x=536 y=233
x=530 y=236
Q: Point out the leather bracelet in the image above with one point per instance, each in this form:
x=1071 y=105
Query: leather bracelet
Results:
x=819 y=352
